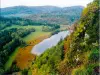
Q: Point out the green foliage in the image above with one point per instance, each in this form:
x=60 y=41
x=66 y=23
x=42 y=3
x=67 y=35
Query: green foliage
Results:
x=50 y=27
x=24 y=72
x=7 y=22
x=13 y=69
x=1 y=71
x=66 y=58
x=9 y=40
x=90 y=21
x=80 y=50
x=89 y=69
x=55 y=32
x=94 y=56
x=80 y=72
x=92 y=69
x=47 y=62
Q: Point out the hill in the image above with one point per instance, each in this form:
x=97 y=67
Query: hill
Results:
x=11 y=11
x=78 y=54
x=48 y=14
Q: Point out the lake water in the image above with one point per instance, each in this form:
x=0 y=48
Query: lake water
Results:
x=49 y=42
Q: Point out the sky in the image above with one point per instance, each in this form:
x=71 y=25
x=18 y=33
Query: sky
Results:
x=59 y=3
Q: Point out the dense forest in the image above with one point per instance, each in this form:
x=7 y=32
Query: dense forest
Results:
x=7 y=22
x=78 y=54
x=66 y=16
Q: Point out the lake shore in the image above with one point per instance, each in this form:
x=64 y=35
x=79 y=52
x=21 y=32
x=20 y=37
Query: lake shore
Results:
x=24 y=57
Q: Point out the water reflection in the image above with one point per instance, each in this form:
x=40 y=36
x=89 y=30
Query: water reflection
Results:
x=49 y=42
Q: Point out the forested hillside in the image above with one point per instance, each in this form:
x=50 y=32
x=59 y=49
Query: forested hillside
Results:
x=78 y=54
x=27 y=10
x=66 y=16
x=46 y=14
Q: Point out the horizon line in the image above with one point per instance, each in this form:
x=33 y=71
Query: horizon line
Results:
x=44 y=5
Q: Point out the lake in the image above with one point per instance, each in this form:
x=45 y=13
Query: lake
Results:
x=49 y=42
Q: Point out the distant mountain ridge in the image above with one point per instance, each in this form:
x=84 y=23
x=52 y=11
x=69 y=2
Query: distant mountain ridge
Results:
x=48 y=14
x=34 y=9
x=26 y=10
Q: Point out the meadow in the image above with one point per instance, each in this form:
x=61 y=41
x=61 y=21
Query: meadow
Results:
x=22 y=55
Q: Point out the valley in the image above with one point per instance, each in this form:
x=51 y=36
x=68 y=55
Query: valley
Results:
x=31 y=41
x=22 y=56
x=49 y=40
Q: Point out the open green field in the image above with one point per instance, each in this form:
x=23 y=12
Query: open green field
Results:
x=33 y=35
x=26 y=27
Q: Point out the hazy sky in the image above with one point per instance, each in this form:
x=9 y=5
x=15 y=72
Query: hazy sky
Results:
x=60 y=3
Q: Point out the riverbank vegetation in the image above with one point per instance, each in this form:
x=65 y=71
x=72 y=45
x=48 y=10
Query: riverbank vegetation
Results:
x=78 y=54
x=15 y=32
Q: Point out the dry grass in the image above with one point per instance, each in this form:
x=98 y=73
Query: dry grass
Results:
x=24 y=57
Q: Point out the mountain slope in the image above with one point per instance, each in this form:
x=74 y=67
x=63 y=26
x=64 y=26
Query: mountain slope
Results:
x=66 y=16
x=45 y=14
x=33 y=9
x=27 y=10
x=78 y=54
